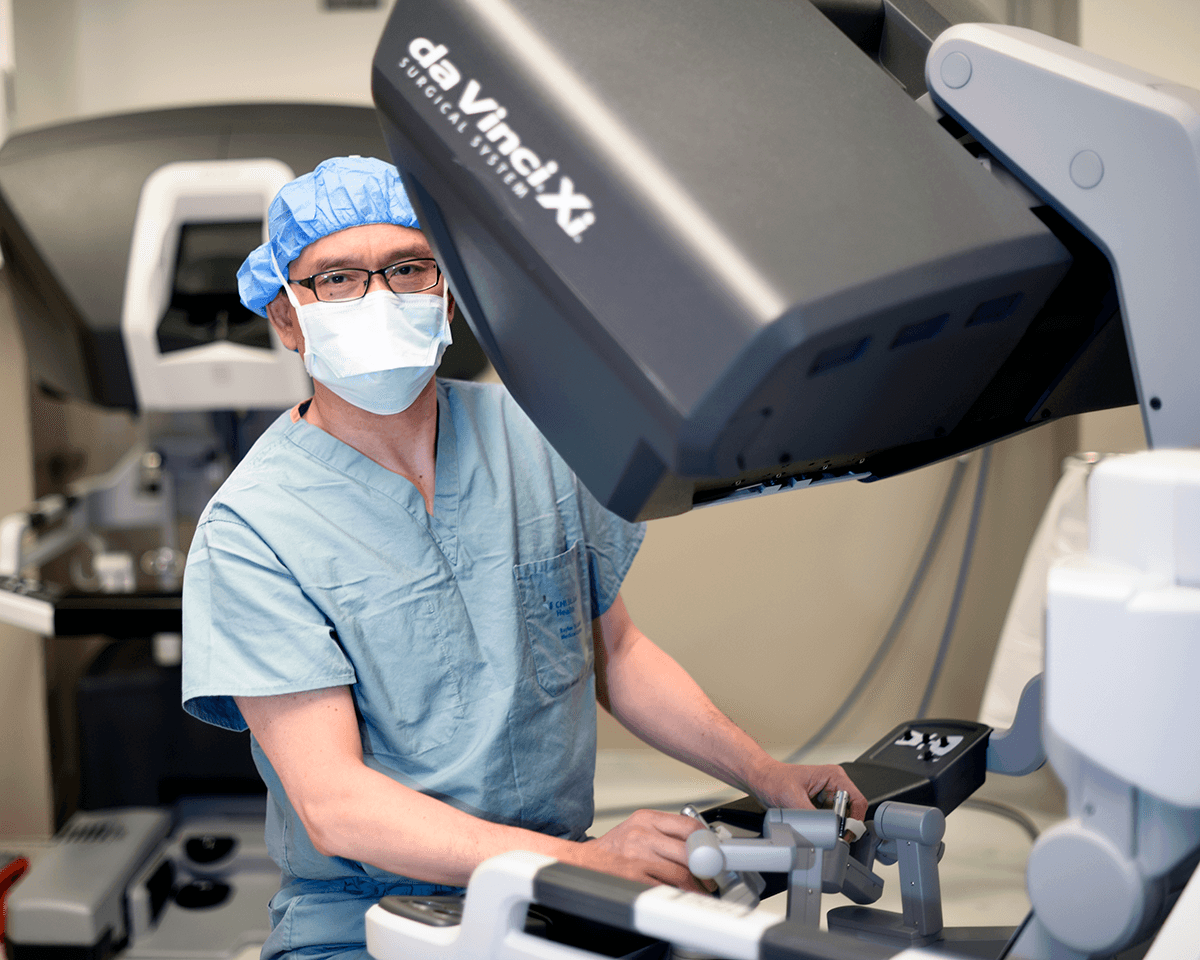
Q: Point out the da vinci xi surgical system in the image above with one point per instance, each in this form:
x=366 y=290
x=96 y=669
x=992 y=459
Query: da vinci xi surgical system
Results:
x=770 y=245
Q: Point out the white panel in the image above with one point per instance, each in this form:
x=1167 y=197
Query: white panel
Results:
x=1179 y=938
x=1187 y=535
x=702 y=923
x=1118 y=151
x=27 y=613
x=1132 y=504
x=217 y=375
x=1121 y=662
x=492 y=925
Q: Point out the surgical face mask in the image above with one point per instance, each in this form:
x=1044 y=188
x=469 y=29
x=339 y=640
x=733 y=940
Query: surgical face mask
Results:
x=378 y=352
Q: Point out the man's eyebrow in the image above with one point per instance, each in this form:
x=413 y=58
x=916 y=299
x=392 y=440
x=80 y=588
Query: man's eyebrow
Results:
x=406 y=252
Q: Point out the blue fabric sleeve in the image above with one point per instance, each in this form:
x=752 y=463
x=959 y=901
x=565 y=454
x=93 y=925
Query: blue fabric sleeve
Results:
x=248 y=627
x=612 y=544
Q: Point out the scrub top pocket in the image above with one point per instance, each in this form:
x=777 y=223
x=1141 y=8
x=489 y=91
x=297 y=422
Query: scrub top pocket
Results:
x=557 y=618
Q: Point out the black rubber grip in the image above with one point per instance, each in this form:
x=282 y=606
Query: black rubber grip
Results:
x=587 y=893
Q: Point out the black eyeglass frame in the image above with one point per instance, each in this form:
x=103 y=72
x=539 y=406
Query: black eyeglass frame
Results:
x=311 y=282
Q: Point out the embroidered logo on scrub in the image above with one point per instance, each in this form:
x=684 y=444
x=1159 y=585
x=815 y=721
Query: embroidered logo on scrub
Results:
x=517 y=166
x=555 y=609
x=564 y=612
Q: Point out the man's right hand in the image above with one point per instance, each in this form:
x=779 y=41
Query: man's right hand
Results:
x=650 y=847
x=353 y=811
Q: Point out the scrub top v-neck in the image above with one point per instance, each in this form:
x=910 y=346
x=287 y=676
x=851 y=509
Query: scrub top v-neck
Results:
x=464 y=635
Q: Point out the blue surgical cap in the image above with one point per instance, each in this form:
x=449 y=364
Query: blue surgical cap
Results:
x=340 y=193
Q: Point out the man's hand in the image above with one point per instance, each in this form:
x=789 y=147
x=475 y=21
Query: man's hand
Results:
x=793 y=787
x=650 y=847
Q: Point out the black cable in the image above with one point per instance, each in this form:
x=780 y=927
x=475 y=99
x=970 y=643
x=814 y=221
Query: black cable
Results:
x=964 y=567
x=1016 y=934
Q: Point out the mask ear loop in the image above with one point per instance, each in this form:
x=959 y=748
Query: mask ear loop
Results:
x=285 y=283
x=447 y=336
x=446 y=332
x=287 y=289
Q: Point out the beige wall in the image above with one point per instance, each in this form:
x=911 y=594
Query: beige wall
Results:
x=1159 y=36
x=79 y=58
x=24 y=750
x=776 y=605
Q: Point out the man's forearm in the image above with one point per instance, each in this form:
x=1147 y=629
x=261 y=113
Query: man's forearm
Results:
x=654 y=696
x=371 y=818
x=350 y=810
x=657 y=700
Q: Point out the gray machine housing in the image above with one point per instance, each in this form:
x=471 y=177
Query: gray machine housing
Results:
x=68 y=199
x=658 y=210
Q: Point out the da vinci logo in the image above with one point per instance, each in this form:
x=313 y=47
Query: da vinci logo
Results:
x=494 y=137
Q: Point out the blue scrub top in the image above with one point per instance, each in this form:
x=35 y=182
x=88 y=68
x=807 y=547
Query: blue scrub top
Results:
x=465 y=635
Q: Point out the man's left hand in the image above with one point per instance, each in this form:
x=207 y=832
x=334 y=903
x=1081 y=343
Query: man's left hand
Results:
x=794 y=787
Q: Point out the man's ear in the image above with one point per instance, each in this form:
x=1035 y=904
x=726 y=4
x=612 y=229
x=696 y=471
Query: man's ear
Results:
x=283 y=318
x=449 y=305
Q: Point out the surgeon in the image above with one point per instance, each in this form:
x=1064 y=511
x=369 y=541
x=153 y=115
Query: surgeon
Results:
x=414 y=605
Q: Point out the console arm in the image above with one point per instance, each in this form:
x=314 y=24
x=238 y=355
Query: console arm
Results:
x=793 y=842
x=136 y=493
x=911 y=834
x=1019 y=750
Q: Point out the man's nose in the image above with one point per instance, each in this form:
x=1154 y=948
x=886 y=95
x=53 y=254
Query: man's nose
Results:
x=377 y=282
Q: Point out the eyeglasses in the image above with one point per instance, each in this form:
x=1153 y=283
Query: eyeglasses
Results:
x=351 y=283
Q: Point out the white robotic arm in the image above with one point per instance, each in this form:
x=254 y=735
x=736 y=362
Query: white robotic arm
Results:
x=1122 y=647
x=1116 y=151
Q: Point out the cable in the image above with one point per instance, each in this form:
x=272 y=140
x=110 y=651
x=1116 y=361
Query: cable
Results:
x=889 y=638
x=1015 y=936
x=885 y=645
x=964 y=568
x=1006 y=811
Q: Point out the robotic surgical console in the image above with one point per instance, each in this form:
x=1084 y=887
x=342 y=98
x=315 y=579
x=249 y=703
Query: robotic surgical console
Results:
x=769 y=245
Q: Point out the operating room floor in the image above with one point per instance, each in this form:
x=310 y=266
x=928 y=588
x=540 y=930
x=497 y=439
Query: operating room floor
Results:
x=982 y=872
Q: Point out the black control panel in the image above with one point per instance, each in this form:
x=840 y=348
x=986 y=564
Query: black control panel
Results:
x=935 y=763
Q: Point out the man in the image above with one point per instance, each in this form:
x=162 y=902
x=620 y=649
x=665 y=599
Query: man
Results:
x=414 y=605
